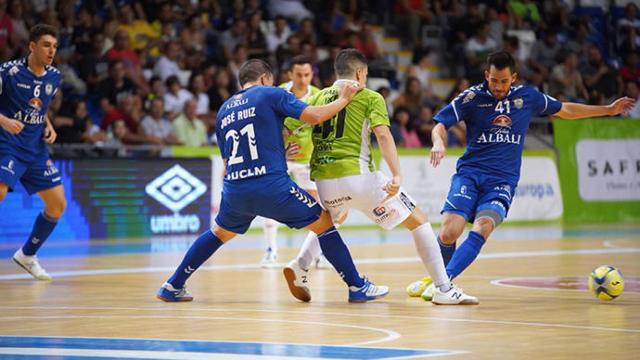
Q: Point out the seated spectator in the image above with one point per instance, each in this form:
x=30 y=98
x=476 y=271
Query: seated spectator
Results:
x=279 y=34
x=128 y=111
x=402 y=118
x=155 y=126
x=221 y=89
x=631 y=69
x=77 y=128
x=167 y=65
x=566 y=78
x=411 y=98
x=175 y=97
x=601 y=80
x=633 y=92
x=114 y=87
x=476 y=51
x=190 y=131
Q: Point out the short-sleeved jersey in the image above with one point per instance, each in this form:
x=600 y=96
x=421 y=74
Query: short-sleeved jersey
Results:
x=249 y=131
x=25 y=97
x=341 y=145
x=496 y=128
x=301 y=132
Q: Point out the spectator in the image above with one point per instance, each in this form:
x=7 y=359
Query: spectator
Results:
x=307 y=32
x=279 y=34
x=601 y=80
x=141 y=34
x=221 y=89
x=122 y=51
x=155 y=126
x=77 y=128
x=235 y=36
x=292 y=9
x=190 y=131
x=129 y=111
x=20 y=37
x=402 y=118
x=366 y=44
x=193 y=36
x=411 y=98
x=175 y=97
x=196 y=87
x=566 y=78
x=544 y=53
x=256 y=41
x=476 y=50
x=116 y=86
x=629 y=25
x=633 y=92
x=168 y=65
x=631 y=69
x=6 y=32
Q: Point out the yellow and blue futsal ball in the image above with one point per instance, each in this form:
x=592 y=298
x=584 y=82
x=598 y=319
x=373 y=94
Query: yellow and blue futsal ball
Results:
x=606 y=282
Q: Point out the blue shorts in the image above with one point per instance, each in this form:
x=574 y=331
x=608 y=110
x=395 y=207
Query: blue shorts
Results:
x=35 y=176
x=276 y=198
x=472 y=193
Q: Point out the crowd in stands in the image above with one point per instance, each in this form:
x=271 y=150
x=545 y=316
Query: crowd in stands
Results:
x=156 y=71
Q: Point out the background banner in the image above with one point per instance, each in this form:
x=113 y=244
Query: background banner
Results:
x=599 y=169
x=112 y=198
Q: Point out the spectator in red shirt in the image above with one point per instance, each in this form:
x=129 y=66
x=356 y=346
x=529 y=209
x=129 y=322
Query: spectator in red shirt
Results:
x=631 y=71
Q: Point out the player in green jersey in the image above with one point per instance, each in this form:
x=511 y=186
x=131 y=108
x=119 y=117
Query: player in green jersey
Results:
x=343 y=168
x=300 y=147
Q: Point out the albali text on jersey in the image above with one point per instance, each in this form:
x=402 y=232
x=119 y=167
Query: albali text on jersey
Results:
x=25 y=97
x=496 y=128
x=249 y=131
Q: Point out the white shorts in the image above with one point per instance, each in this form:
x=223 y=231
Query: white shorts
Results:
x=301 y=175
x=365 y=193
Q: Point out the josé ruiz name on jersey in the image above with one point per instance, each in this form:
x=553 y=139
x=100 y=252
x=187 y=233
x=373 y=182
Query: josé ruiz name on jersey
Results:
x=301 y=132
x=496 y=128
x=25 y=97
x=341 y=146
x=249 y=131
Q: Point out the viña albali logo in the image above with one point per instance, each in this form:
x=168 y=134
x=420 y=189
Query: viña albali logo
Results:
x=175 y=188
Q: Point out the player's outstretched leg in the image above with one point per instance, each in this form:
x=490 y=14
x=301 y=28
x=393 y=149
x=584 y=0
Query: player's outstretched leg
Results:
x=270 y=229
x=337 y=253
x=209 y=242
x=43 y=226
x=427 y=248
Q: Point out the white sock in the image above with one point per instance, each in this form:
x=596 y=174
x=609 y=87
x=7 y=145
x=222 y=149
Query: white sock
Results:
x=429 y=251
x=309 y=251
x=270 y=228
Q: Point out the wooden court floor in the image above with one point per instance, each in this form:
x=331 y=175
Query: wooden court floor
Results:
x=102 y=302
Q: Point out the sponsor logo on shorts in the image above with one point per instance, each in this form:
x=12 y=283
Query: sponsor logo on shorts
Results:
x=407 y=201
x=51 y=169
x=9 y=167
x=379 y=211
x=499 y=204
x=463 y=193
x=336 y=202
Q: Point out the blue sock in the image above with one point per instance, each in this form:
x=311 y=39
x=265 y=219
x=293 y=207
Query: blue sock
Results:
x=42 y=228
x=335 y=250
x=446 y=251
x=198 y=253
x=466 y=253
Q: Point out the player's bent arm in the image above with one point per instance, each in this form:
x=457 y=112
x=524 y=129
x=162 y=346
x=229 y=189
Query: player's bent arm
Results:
x=439 y=135
x=314 y=115
x=578 y=111
x=388 y=148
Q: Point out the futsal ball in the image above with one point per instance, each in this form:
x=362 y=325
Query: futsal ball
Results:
x=606 y=282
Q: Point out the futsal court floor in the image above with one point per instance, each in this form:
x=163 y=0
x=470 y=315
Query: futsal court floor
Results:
x=531 y=283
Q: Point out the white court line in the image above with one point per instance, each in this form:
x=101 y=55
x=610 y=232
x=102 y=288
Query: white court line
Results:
x=389 y=260
x=339 y=314
x=390 y=334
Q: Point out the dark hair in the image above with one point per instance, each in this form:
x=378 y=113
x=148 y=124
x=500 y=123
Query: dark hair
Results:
x=252 y=70
x=171 y=80
x=348 y=61
x=40 y=30
x=501 y=60
x=299 y=60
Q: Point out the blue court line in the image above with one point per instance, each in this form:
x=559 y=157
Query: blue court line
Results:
x=202 y=347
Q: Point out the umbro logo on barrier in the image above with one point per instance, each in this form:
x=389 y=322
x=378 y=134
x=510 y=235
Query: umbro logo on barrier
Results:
x=176 y=188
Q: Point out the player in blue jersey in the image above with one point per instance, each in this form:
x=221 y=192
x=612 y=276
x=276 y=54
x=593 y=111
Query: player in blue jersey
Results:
x=249 y=131
x=497 y=115
x=27 y=87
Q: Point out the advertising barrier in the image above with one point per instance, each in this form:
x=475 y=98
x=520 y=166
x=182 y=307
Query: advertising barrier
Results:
x=537 y=197
x=112 y=198
x=599 y=169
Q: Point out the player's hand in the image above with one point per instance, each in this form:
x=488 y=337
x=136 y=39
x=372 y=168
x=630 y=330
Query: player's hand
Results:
x=292 y=151
x=621 y=105
x=50 y=134
x=348 y=91
x=392 y=187
x=12 y=126
x=438 y=151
